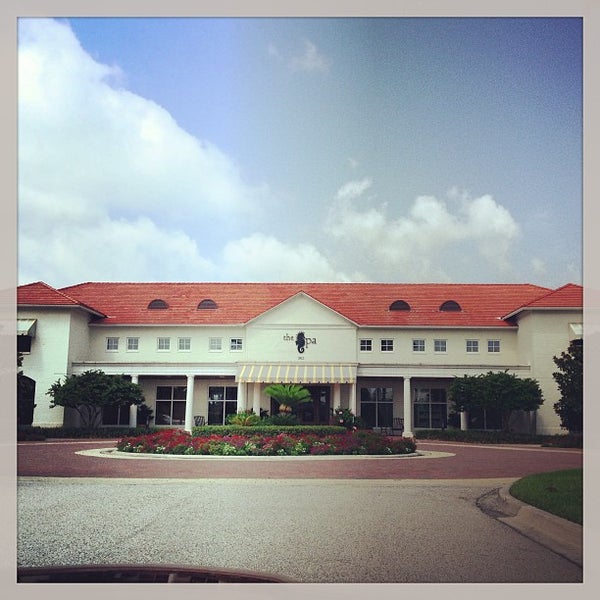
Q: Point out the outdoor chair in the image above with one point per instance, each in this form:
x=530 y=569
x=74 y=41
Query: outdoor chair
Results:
x=397 y=425
x=199 y=420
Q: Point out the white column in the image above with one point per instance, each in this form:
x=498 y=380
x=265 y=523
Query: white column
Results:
x=241 y=396
x=189 y=404
x=352 y=406
x=407 y=409
x=133 y=407
x=337 y=396
x=464 y=420
x=256 y=398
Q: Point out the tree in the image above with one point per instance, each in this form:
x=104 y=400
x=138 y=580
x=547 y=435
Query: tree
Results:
x=569 y=379
x=25 y=394
x=89 y=392
x=501 y=392
x=288 y=395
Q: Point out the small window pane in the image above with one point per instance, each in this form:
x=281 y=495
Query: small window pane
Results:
x=112 y=343
x=179 y=392
x=387 y=345
x=163 y=392
x=178 y=413
x=439 y=345
x=472 y=345
x=418 y=345
x=214 y=344
x=184 y=344
x=23 y=343
x=163 y=413
x=493 y=345
x=366 y=345
x=133 y=343
x=216 y=392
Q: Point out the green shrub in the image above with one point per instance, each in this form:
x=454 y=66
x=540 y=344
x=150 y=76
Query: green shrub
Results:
x=499 y=437
x=244 y=419
x=282 y=418
x=222 y=430
x=43 y=433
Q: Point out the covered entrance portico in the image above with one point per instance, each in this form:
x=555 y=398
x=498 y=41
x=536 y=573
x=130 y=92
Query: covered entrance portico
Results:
x=326 y=382
x=316 y=412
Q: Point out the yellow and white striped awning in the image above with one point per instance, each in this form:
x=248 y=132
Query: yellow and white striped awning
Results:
x=296 y=373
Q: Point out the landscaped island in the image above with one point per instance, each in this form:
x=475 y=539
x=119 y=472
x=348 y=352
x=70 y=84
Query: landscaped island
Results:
x=267 y=441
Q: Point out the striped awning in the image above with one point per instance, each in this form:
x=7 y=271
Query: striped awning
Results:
x=26 y=326
x=296 y=373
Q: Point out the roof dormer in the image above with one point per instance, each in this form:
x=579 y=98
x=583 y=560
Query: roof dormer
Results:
x=158 y=304
x=207 y=304
x=450 y=306
x=399 y=305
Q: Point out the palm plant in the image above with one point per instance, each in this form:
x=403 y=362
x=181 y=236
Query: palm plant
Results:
x=288 y=395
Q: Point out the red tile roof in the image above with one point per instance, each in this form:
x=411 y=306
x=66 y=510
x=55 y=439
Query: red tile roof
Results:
x=366 y=304
x=567 y=296
x=41 y=294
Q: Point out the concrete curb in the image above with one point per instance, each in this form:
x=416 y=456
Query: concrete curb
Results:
x=560 y=535
x=114 y=453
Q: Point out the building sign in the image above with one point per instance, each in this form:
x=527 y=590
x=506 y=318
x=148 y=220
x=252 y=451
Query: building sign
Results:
x=301 y=340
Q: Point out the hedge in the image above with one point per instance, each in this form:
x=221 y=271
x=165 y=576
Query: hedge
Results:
x=500 y=437
x=320 y=430
x=42 y=433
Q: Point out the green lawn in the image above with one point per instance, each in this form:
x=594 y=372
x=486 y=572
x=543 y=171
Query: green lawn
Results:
x=559 y=493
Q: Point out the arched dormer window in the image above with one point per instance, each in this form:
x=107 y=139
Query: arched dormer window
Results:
x=399 y=305
x=450 y=306
x=207 y=303
x=157 y=304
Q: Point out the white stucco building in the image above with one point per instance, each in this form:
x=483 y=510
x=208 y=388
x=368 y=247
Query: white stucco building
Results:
x=382 y=350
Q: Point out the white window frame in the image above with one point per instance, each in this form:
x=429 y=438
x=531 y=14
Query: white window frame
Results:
x=215 y=344
x=440 y=346
x=130 y=344
x=236 y=344
x=366 y=345
x=472 y=346
x=184 y=344
x=418 y=345
x=493 y=346
x=387 y=345
x=163 y=344
x=112 y=344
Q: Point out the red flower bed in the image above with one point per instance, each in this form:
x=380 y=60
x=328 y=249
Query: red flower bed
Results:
x=177 y=441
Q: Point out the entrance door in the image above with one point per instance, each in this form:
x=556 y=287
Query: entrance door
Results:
x=318 y=411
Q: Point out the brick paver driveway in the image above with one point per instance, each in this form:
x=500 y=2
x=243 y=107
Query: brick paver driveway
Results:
x=465 y=461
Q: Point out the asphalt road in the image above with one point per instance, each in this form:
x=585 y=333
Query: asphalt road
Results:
x=313 y=521
x=324 y=531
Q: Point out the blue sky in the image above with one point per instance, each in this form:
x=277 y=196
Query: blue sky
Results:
x=311 y=149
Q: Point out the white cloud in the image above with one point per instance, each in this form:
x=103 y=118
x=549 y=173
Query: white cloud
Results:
x=261 y=257
x=538 y=266
x=310 y=60
x=91 y=153
x=434 y=241
x=128 y=250
x=111 y=188
x=353 y=189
